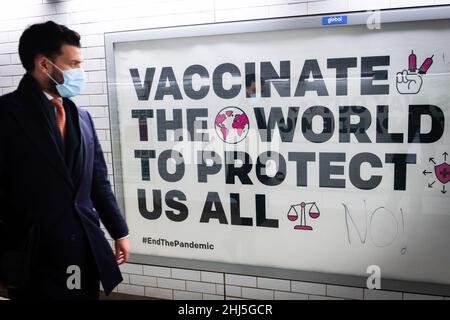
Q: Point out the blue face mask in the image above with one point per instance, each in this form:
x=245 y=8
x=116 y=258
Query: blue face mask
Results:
x=74 y=81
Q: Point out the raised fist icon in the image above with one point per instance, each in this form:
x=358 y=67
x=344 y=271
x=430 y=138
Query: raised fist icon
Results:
x=408 y=82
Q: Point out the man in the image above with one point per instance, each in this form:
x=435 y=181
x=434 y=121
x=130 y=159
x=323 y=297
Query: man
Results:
x=52 y=176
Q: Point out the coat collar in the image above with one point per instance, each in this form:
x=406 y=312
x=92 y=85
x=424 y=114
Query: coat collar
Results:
x=30 y=116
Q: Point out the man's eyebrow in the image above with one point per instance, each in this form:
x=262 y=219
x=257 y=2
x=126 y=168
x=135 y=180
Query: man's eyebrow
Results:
x=76 y=61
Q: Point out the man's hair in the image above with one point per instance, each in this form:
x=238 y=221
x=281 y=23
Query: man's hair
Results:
x=46 y=39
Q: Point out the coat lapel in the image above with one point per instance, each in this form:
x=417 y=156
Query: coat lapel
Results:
x=36 y=126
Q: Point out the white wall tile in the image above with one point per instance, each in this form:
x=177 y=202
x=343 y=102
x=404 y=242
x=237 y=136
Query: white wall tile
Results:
x=5 y=59
x=344 y=292
x=308 y=287
x=131 y=268
x=220 y=289
x=6 y=81
x=298 y=9
x=201 y=287
x=81 y=101
x=96 y=112
x=314 y=297
x=4 y=37
x=274 y=284
x=279 y=295
x=211 y=277
x=157 y=271
x=126 y=278
x=159 y=293
x=212 y=297
x=186 y=274
x=95 y=52
x=7 y=90
x=239 y=280
x=232 y=4
x=186 y=295
x=16 y=80
x=101 y=123
x=93 y=88
x=143 y=280
x=358 y=5
x=171 y=284
x=242 y=14
x=15 y=58
x=382 y=295
x=96 y=76
x=233 y=291
x=12 y=70
x=259 y=294
x=93 y=40
x=98 y=100
x=411 y=3
x=94 y=64
x=327 y=6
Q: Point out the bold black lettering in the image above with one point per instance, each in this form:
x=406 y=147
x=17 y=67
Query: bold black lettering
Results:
x=179 y=165
x=355 y=171
x=383 y=135
x=437 y=123
x=157 y=204
x=326 y=170
x=341 y=65
x=145 y=155
x=359 y=129
x=171 y=200
x=213 y=199
x=328 y=124
x=172 y=89
x=241 y=172
x=281 y=82
x=317 y=84
x=142 y=115
x=218 y=73
x=187 y=82
x=400 y=161
x=302 y=159
x=286 y=127
x=261 y=165
x=368 y=75
x=142 y=89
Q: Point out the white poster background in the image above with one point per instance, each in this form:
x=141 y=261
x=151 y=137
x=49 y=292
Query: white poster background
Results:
x=424 y=232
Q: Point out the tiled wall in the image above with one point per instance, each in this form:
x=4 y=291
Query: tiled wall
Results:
x=91 y=18
x=172 y=283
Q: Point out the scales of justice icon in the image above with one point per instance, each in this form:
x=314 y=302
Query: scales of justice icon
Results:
x=313 y=212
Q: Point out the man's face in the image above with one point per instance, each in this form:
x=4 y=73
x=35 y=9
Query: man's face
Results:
x=70 y=58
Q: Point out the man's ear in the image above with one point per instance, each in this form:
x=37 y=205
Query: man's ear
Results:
x=41 y=65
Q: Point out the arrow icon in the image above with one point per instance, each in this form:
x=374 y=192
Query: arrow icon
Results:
x=425 y=172
x=443 y=189
x=430 y=185
x=445 y=154
x=431 y=160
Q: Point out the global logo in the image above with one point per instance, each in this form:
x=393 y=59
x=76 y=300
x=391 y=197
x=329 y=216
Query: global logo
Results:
x=232 y=125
